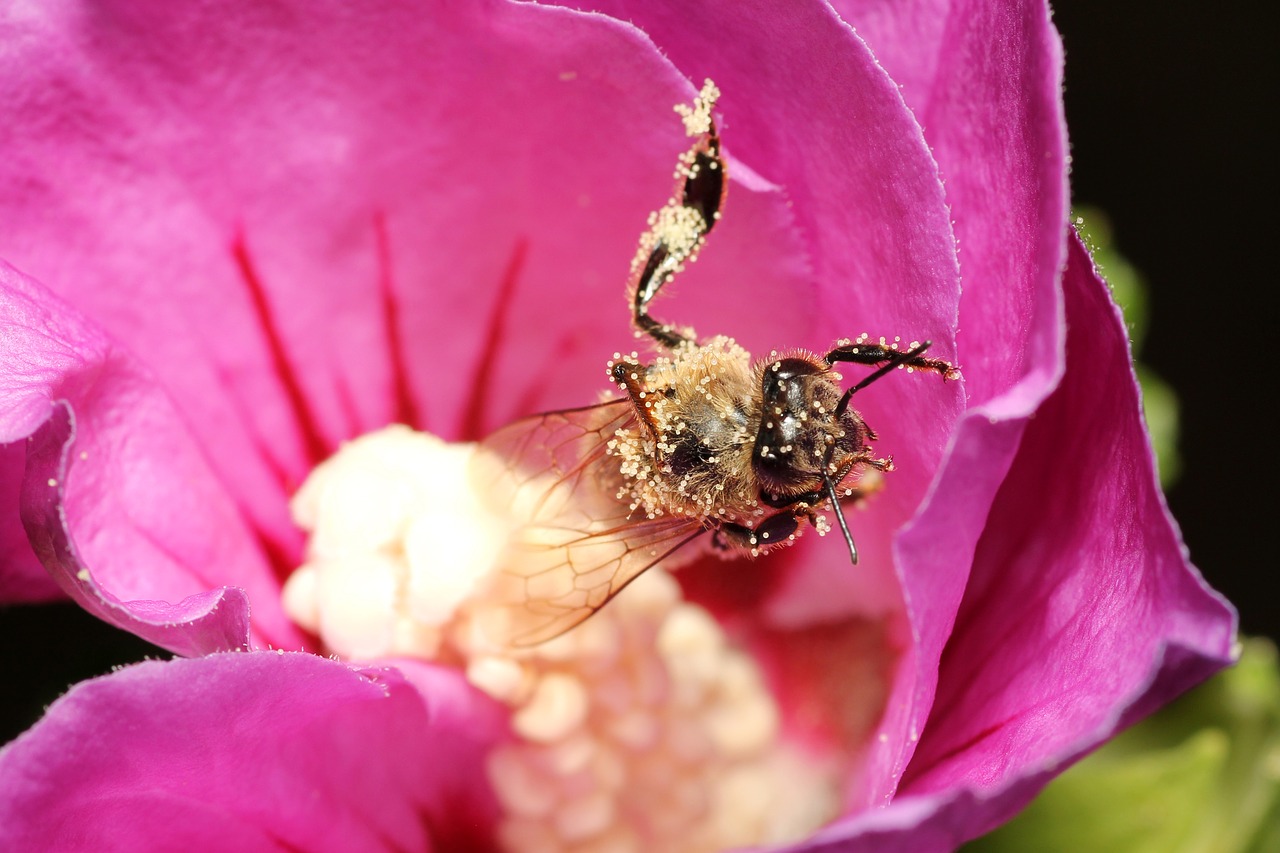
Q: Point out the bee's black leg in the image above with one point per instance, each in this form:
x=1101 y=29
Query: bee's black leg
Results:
x=803 y=502
x=677 y=231
x=889 y=358
x=777 y=529
x=865 y=353
x=781 y=502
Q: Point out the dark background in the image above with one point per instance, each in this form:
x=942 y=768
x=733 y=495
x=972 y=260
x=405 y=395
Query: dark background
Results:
x=1166 y=107
x=1166 y=104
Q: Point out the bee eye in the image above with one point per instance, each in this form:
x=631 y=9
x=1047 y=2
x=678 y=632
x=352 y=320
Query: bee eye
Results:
x=789 y=368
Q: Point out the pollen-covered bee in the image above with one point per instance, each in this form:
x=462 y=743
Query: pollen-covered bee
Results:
x=700 y=442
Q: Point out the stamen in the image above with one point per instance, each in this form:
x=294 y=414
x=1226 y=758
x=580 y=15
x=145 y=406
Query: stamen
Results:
x=643 y=728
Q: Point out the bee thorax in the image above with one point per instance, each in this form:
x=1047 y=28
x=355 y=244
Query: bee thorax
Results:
x=689 y=452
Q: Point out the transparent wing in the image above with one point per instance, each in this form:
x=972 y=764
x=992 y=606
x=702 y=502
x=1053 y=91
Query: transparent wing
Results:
x=577 y=544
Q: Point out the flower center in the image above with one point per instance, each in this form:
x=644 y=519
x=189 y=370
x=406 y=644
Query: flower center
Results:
x=641 y=728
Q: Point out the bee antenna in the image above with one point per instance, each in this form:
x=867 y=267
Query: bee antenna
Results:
x=844 y=527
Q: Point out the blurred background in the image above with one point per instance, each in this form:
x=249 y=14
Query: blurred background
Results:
x=1166 y=104
x=1169 y=107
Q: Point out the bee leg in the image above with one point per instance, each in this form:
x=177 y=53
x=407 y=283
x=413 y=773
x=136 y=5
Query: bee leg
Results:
x=678 y=230
x=802 y=504
x=657 y=272
x=784 y=502
x=629 y=377
x=890 y=358
x=777 y=529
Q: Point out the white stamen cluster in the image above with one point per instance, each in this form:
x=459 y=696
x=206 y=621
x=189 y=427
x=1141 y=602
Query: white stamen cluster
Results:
x=385 y=570
x=645 y=730
x=641 y=729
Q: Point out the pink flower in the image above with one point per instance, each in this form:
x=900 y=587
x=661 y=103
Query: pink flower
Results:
x=238 y=235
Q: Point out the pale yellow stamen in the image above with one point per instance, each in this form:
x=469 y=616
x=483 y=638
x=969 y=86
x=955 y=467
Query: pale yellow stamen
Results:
x=643 y=728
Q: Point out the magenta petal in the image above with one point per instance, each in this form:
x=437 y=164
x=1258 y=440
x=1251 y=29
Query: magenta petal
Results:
x=1081 y=599
x=285 y=211
x=204 y=622
x=985 y=79
x=252 y=751
x=116 y=500
x=1081 y=614
x=996 y=125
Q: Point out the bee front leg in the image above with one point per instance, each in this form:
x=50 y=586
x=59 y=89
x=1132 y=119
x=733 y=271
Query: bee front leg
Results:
x=872 y=354
x=861 y=353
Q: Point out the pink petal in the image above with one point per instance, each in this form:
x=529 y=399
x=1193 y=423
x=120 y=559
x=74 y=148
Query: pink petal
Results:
x=986 y=85
x=310 y=221
x=1089 y=575
x=116 y=500
x=985 y=79
x=253 y=751
x=1081 y=615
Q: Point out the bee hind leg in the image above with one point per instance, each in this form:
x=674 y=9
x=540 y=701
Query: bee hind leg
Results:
x=678 y=230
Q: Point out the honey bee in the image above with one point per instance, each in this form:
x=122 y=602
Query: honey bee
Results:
x=700 y=442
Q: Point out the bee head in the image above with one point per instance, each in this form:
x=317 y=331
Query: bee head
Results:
x=798 y=424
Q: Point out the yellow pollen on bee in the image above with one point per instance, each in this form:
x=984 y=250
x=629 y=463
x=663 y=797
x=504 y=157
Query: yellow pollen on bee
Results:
x=697 y=118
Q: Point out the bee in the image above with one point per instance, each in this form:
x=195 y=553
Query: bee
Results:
x=700 y=443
